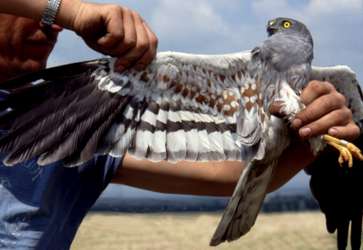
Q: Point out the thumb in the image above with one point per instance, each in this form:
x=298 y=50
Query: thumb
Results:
x=275 y=109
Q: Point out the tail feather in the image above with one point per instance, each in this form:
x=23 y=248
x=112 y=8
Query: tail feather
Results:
x=245 y=203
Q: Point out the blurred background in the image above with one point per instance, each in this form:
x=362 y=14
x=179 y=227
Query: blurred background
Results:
x=212 y=27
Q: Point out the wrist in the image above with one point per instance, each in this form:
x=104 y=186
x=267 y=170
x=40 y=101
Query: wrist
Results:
x=25 y=8
x=50 y=12
x=67 y=13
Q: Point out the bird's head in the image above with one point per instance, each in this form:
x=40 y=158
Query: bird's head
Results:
x=286 y=25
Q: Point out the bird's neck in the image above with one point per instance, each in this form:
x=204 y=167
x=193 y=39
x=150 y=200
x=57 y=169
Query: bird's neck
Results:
x=283 y=51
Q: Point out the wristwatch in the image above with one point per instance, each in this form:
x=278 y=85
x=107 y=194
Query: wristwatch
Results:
x=50 y=12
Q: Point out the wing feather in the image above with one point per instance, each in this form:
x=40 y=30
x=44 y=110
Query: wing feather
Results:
x=182 y=107
x=177 y=109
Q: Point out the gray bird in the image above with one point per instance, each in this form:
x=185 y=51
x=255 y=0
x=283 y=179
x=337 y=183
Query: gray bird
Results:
x=182 y=107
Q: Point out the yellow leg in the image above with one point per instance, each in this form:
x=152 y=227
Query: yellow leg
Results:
x=347 y=150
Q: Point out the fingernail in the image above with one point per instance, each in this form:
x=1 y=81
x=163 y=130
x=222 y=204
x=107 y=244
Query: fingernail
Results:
x=333 y=131
x=296 y=123
x=304 y=132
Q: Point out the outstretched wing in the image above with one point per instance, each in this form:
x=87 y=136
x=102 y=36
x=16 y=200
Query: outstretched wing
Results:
x=181 y=107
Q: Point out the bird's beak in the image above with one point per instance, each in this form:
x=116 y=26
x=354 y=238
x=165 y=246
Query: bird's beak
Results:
x=271 y=27
x=271 y=30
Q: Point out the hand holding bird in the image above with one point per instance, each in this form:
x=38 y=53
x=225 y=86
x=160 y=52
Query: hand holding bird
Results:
x=181 y=107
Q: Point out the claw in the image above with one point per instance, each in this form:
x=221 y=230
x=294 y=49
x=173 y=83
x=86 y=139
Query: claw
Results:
x=355 y=151
x=347 y=150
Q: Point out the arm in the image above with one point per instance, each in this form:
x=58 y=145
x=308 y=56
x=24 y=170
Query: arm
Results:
x=197 y=178
x=216 y=178
x=110 y=29
x=325 y=111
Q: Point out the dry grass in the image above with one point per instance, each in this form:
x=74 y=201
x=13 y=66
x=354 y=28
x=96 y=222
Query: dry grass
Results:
x=110 y=231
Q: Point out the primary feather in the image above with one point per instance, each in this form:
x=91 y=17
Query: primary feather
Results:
x=182 y=107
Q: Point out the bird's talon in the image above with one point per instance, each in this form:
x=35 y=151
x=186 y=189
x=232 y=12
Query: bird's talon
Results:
x=340 y=160
x=347 y=150
x=355 y=151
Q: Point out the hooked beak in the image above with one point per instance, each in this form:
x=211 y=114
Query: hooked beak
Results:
x=271 y=30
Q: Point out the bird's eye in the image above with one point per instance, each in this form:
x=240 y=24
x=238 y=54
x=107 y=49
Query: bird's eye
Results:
x=286 y=24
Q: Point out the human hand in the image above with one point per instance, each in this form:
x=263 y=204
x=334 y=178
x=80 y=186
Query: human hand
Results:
x=116 y=31
x=325 y=113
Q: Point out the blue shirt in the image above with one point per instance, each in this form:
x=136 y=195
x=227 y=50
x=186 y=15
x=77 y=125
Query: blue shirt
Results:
x=42 y=207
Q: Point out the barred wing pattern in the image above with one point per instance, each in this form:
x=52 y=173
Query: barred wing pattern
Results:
x=181 y=107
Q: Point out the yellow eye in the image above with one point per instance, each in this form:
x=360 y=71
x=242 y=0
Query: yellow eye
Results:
x=286 y=24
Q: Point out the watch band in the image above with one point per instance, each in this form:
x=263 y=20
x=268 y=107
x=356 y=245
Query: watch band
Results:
x=50 y=12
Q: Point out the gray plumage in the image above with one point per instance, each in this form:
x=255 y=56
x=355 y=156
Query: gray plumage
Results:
x=283 y=63
x=182 y=107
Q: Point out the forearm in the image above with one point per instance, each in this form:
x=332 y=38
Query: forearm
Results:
x=212 y=178
x=25 y=8
x=34 y=8
x=209 y=178
x=295 y=158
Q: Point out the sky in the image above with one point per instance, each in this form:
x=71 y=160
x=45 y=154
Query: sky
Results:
x=223 y=26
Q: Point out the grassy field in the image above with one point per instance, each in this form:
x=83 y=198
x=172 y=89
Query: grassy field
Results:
x=287 y=231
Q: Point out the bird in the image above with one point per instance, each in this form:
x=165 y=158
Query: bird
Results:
x=181 y=107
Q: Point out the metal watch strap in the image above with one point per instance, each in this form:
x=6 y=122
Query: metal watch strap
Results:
x=50 y=12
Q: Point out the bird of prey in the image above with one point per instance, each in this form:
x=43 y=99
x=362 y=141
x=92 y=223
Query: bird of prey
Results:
x=182 y=107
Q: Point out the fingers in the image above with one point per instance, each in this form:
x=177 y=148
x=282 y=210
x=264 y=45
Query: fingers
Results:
x=119 y=32
x=150 y=54
x=136 y=41
x=322 y=105
x=114 y=33
x=143 y=51
x=325 y=112
x=320 y=126
x=349 y=132
x=314 y=90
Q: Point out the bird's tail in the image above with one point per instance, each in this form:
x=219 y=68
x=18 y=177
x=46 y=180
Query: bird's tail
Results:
x=242 y=210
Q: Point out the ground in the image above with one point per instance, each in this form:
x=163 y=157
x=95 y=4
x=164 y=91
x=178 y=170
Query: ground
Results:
x=282 y=231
